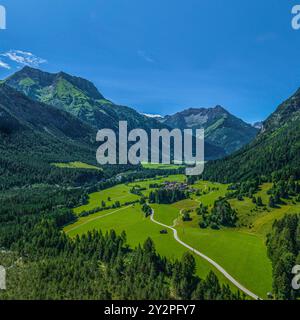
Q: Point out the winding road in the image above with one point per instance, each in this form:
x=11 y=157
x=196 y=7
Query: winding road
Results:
x=212 y=262
x=175 y=233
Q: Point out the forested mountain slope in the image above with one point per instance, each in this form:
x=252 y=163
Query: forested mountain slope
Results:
x=33 y=135
x=275 y=151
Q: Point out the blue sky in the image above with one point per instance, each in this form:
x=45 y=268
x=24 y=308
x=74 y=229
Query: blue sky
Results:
x=162 y=56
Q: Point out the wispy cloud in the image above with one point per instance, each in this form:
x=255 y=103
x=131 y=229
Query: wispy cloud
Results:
x=23 y=58
x=4 y=65
x=145 y=56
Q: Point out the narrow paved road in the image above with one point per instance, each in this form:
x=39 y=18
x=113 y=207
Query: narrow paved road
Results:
x=212 y=262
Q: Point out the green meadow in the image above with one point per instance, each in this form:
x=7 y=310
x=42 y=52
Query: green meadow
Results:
x=242 y=254
x=211 y=191
x=241 y=251
x=260 y=220
x=138 y=229
x=145 y=184
x=76 y=165
x=119 y=193
x=165 y=213
x=158 y=180
x=161 y=166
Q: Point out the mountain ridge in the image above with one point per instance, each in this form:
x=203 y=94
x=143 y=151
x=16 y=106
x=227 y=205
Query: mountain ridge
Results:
x=221 y=127
x=56 y=90
x=273 y=154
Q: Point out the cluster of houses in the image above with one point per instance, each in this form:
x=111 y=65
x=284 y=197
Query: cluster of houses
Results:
x=174 y=185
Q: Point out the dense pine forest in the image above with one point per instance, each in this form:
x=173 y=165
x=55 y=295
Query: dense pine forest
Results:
x=284 y=251
x=43 y=263
x=164 y=196
x=273 y=155
x=221 y=215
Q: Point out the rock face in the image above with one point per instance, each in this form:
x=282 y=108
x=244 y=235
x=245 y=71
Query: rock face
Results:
x=222 y=128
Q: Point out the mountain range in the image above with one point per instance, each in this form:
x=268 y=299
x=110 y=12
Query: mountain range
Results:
x=80 y=98
x=48 y=117
x=76 y=96
x=222 y=129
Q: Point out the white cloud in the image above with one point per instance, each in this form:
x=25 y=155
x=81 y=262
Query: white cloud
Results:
x=24 y=58
x=145 y=56
x=152 y=115
x=4 y=65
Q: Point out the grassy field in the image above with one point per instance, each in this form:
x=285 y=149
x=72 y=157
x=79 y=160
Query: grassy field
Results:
x=138 y=229
x=260 y=220
x=241 y=251
x=76 y=165
x=165 y=213
x=84 y=224
x=161 y=166
x=159 y=180
x=119 y=193
x=210 y=192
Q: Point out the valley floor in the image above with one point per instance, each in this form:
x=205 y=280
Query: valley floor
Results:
x=240 y=251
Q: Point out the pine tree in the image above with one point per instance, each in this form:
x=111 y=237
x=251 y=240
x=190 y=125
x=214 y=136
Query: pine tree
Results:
x=271 y=202
x=259 y=201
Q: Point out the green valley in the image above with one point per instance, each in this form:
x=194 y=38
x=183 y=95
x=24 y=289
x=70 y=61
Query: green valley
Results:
x=241 y=251
x=145 y=231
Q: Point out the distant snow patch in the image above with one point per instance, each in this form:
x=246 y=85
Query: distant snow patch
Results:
x=152 y=115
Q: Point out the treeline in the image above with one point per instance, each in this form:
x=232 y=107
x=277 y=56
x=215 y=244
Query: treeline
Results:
x=167 y=196
x=221 y=214
x=283 y=190
x=283 y=245
x=147 y=210
x=244 y=189
x=104 y=207
x=137 y=190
